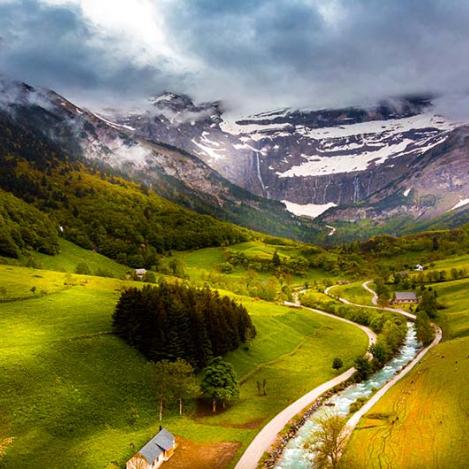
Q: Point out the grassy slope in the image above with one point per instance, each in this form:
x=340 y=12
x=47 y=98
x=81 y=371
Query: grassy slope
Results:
x=71 y=255
x=205 y=261
x=353 y=292
x=85 y=396
x=422 y=422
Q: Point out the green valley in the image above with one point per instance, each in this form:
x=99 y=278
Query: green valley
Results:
x=86 y=396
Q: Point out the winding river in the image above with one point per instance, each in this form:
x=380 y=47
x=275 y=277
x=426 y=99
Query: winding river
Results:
x=294 y=455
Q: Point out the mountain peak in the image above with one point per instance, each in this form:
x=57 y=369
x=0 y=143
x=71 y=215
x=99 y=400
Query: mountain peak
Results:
x=170 y=100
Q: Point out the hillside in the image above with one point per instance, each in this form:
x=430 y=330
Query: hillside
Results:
x=103 y=404
x=23 y=227
x=39 y=114
x=97 y=210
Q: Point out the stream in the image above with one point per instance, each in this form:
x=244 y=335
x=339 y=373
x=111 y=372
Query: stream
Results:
x=294 y=456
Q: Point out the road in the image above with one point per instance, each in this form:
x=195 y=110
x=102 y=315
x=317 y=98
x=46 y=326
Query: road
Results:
x=267 y=436
x=375 y=298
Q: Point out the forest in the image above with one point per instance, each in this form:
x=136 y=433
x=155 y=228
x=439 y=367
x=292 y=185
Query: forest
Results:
x=23 y=227
x=171 y=321
x=98 y=209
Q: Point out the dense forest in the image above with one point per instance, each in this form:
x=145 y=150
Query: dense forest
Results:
x=171 y=321
x=23 y=227
x=99 y=210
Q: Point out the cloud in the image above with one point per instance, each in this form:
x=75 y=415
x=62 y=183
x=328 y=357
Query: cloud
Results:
x=255 y=55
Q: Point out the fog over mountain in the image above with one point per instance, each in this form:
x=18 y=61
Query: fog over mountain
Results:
x=252 y=55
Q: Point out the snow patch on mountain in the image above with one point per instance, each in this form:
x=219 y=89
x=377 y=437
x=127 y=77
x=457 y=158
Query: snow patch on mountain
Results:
x=320 y=165
x=309 y=210
x=461 y=203
x=407 y=191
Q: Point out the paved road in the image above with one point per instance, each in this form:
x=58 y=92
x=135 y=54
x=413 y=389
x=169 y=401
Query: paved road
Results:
x=267 y=436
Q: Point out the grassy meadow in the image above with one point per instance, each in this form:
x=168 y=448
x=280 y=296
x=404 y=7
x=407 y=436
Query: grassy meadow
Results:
x=205 y=265
x=353 y=292
x=73 y=395
x=422 y=421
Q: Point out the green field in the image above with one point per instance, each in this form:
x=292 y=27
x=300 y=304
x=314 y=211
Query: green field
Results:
x=71 y=255
x=204 y=264
x=72 y=395
x=422 y=421
x=353 y=292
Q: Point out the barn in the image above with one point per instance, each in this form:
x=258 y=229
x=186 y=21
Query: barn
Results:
x=158 y=450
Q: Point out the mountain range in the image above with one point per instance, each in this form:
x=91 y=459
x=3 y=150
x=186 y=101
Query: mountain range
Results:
x=316 y=175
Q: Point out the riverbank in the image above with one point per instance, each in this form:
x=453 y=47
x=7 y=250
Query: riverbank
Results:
x=268 y=435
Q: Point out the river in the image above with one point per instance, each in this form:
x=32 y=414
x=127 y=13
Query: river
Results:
x=294 y=456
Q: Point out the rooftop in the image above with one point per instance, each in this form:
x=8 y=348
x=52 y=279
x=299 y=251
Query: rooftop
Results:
x=406 y=295
x=163 y=441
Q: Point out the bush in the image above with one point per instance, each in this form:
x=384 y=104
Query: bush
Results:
x=83 y=269
x=337 y=363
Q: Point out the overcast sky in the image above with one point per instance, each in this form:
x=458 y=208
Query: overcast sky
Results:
x=254 y=54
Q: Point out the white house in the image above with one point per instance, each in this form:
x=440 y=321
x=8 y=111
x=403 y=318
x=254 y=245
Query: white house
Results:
x=419 y=268
x=140 y=273
x=158 y=450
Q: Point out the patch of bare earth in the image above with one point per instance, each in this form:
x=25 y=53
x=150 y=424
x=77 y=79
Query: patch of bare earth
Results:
x=190 y=454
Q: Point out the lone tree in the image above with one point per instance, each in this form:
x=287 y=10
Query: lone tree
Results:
x=219 y=382
x=327 y=442
x=162 y=384
x=363 y=367
x=276 y=259
x=425 y=331
x=183 y=382
x=337 y=363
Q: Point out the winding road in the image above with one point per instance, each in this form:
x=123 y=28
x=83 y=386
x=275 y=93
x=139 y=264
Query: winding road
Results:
x=267 y=436
x=374 y=300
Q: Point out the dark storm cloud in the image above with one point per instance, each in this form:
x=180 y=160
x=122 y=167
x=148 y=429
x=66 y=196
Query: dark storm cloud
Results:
x=256 y=54
x=53 y=46
x=357 y=50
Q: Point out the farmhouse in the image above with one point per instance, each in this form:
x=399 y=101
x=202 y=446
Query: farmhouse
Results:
x=159 y=449
x=404 y=297
x=140 y=273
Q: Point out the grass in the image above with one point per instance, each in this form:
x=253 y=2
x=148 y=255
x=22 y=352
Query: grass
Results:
x=457 y=262
x=71 y=255
x=72 y=395
x=353 y=292
x=422 y=421
x=202 y=263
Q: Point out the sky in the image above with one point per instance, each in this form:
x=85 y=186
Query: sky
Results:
x=255 y=55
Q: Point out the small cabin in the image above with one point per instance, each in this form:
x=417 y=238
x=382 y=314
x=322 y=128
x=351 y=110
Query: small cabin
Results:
x=401 y=297
x=158 y=450
x=140 y=273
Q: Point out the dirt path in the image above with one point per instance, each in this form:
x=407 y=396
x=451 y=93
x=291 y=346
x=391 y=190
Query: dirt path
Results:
x=366 y=286
x=267 y=436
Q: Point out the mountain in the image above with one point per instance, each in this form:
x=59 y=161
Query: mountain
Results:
x=396 y=159
x=171 y=172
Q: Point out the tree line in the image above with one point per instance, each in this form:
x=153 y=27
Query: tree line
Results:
x=171 y=321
